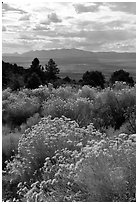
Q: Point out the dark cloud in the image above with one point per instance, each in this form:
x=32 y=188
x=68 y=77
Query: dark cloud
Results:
x=25 y=17
x=80 y=8
x=51 y=18
x=4 y=28
x=6 y=7
x=128 y=7
x=54 y=18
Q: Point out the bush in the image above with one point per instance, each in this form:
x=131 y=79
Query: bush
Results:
x=78 y=110
x=94 y=78
x=9 y=146
x=18 y=108
x=87 y=92
x=64 y=92
x=110 y=107
x=123 y=76
x=30 y=122
x=58 y=161
x=81 y=167
x=43 y=139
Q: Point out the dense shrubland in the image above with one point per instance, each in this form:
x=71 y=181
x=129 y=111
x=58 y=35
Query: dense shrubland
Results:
x=69 y=144
x=64 y=140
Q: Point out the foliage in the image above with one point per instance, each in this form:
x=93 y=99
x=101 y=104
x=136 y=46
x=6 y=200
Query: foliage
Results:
x=121 y=75
x=70 y=143
x=62 y=157
x=104 y=108
x=58 y=161
x=87 y=92
x=12 y=76
x=35 y=63
x=18 y=107
x=9 y=146
x=78 y=110
x=51 y=69
x=33 y=81
x=111 y=106
x=94 y=78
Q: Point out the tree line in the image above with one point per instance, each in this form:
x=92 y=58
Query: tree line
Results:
x=17 y=77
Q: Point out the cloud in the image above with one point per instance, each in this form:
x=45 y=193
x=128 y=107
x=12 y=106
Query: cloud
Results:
x=54 y=18
x=25 y=17
x=90 y=26
x=6 y=7
x=41 y=28
x=28 y=37
x=81 y=8
x=97 y=35
x=51 y=18
x=128 y=7
x=4 y=28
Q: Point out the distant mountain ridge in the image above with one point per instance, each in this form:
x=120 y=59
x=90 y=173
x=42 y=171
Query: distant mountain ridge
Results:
x=67 y=53
x=74 y=62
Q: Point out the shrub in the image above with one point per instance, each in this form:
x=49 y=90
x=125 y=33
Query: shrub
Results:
x=58 y=161
x=87 y=92
x=110 y=107
x=94 y=78
x=6 y=93
x=9 y=146
x=78 y=110
x=44 y=139
x=42 y=93
x=101 y=171
x=119 y=85
x=18 y=108
x=64 y=92
x=30 y=122
x=121 y=75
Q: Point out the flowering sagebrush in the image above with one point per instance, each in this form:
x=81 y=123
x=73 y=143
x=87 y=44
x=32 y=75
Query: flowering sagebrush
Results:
x=62 y=157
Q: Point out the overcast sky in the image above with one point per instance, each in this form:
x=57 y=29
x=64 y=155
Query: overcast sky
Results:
x=37 y=25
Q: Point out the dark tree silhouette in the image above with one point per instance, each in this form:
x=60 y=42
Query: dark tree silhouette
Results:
x=12 y=76
x=51 y=70
x=38 y=69
x=35 y=64
x=94 y=78
x=121 y=75
x=33 y=81
x=67 y=79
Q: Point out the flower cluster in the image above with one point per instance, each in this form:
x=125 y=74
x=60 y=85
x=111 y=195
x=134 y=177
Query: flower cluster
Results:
x=59 y=161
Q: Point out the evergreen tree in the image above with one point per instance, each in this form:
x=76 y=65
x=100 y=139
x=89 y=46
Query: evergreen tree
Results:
x=51 y=70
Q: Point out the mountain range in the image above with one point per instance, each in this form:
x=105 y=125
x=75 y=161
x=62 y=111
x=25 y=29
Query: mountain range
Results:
x=74 y=62
x=59 y=53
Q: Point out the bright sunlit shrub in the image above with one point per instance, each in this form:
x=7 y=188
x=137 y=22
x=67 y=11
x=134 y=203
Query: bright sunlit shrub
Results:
x=101 y=170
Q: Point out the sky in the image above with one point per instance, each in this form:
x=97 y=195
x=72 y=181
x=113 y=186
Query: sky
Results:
x=45 y=25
